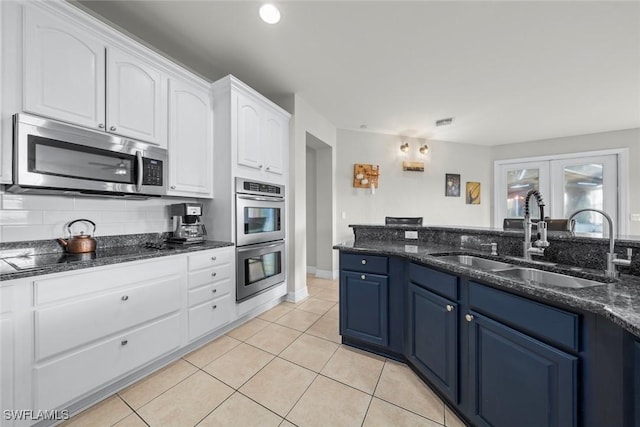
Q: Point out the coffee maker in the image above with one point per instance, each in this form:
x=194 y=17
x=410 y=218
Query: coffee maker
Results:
x=187 y=227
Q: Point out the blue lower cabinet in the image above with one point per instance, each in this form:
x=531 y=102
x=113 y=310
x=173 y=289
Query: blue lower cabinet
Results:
x=364 y=307
x=517 y=380
x=636 y=384
x=432 y=338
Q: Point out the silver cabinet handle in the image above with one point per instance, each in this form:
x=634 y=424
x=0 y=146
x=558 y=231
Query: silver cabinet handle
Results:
x=213 y=258
x=468 y=317
x=124 y=342
x=101 y=125
x=173 y=187
x=214 y=290
x=363 y=277
x=214 y=274
x=112 y=128
x=125 y=297
x=364 y=261
x=260 y=166
x=214 y=306
x=268 y=168
x=449 y=307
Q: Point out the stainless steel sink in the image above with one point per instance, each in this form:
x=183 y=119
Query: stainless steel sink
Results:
x=472 y=261
x=548 y=278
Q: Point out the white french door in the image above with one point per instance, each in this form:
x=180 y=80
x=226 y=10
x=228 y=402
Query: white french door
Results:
x=567 y=183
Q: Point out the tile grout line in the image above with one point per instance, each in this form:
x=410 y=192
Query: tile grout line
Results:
x=134 y=411
x=373 y=393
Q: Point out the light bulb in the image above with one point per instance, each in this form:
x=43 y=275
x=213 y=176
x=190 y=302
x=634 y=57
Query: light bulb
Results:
x=269 y=14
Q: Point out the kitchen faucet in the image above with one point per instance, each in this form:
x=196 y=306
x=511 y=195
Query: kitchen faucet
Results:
x=537 y=248
x=612 y=261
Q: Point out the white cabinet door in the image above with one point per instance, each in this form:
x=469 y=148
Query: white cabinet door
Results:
x=136 y=98
x=249 y=115
x=275 y=137
x=64 y=71
x=190 y=140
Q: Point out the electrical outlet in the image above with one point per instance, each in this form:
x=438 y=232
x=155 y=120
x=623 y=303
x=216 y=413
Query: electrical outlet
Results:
x=412 y=249
x=410 y=234
x=635 y=217
x=344 y=215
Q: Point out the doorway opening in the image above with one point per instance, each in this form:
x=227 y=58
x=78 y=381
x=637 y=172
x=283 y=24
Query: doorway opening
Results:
x=319 y=206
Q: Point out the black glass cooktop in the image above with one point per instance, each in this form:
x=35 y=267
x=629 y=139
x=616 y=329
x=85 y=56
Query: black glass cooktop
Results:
x=35 y=261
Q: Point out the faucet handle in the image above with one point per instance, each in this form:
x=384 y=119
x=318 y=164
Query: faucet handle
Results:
x=629 y=253
x=494 y=247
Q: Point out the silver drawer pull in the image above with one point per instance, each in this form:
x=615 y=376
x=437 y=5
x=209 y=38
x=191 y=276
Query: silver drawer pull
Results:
x=214 y=306
x=469 y=317
x=101 y=125
x=112 y=128
x=214 y=291
x=214 y=274
x=213 y=258
x=125 y=297
x=124 y=342
x=363 y=277
x=449 y=307
x=364 y=261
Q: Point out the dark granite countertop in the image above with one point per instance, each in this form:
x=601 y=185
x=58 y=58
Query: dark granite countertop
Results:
x=34 y=262
x=618 y=301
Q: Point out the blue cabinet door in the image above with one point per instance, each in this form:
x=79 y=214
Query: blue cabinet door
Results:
x=515 y=380
x=636 y=384
x=364 y=307
x=432 y=344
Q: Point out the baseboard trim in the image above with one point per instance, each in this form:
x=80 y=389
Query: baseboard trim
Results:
x=297 y=295
x=311 y=270
x=327 y=274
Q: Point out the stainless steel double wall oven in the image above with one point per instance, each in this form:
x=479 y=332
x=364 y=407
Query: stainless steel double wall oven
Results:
x=260 y=231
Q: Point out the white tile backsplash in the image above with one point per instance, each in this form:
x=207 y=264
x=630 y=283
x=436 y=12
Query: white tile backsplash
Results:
x=34 y=217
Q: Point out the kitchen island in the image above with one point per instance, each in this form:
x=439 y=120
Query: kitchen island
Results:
x=501 y=351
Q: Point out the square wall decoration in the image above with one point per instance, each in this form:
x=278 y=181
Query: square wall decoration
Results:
x=452 y=185
x=472 y=193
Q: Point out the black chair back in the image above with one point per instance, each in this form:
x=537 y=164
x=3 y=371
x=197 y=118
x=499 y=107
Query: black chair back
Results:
x=397 y=220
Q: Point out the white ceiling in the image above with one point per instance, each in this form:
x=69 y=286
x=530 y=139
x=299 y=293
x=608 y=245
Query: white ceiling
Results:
x=506 y=71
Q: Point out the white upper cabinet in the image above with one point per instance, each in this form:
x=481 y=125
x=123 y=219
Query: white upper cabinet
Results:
x=136 y=97
x=254 y=130
x=249 y=132
x=276 y=130
x=74 y=75
x=190 y=140
x=64 y=71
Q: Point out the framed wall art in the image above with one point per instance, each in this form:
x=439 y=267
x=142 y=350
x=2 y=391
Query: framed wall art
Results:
x=472 y=193
x=452 y=185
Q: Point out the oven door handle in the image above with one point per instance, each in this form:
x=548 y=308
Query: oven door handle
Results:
x=260 y=199
x=254 y=247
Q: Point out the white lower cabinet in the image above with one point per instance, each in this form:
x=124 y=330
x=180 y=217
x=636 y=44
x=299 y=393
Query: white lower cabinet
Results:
x=78 y=373
x=69 y=335
x=211 y=292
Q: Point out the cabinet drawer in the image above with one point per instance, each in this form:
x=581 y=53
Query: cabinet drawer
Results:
x=364 y=263
x=209 y=275
x=76 y=375
x=65 y=326
x=212 y=290
x=209 y=316
x=210 y=258
x=555 y=325
x=434 y=280
x=84 y=283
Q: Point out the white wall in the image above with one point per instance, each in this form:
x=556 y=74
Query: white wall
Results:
x=32 y=217
x=305 y=119
x=325 y=214
x=403 y=193
x=312 y=231
x=629 y=138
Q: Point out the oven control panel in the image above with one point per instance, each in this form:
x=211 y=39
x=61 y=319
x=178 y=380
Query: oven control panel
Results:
x=259 y=188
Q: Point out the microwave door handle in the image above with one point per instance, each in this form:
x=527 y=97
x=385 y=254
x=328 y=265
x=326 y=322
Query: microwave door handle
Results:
x=139 y=175
x=261 y=199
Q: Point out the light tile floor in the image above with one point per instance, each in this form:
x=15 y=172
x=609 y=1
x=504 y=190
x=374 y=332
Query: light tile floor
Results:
x=286 y=367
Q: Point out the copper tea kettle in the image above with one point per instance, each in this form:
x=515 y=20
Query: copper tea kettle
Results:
x=80 y=243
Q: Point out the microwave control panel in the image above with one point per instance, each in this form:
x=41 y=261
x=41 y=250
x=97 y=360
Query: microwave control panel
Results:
x=151 y=172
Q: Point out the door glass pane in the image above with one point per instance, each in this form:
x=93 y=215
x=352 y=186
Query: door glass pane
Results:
x=519 y=183
x=52 y=157
x=262 y=266
x=261 y=220
x=583 y=189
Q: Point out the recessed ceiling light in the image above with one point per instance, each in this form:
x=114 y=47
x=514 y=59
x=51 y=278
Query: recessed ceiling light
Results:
x=269 y=14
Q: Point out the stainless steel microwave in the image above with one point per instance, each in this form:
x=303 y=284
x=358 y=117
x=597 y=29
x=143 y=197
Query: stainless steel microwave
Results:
x=54 y=157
